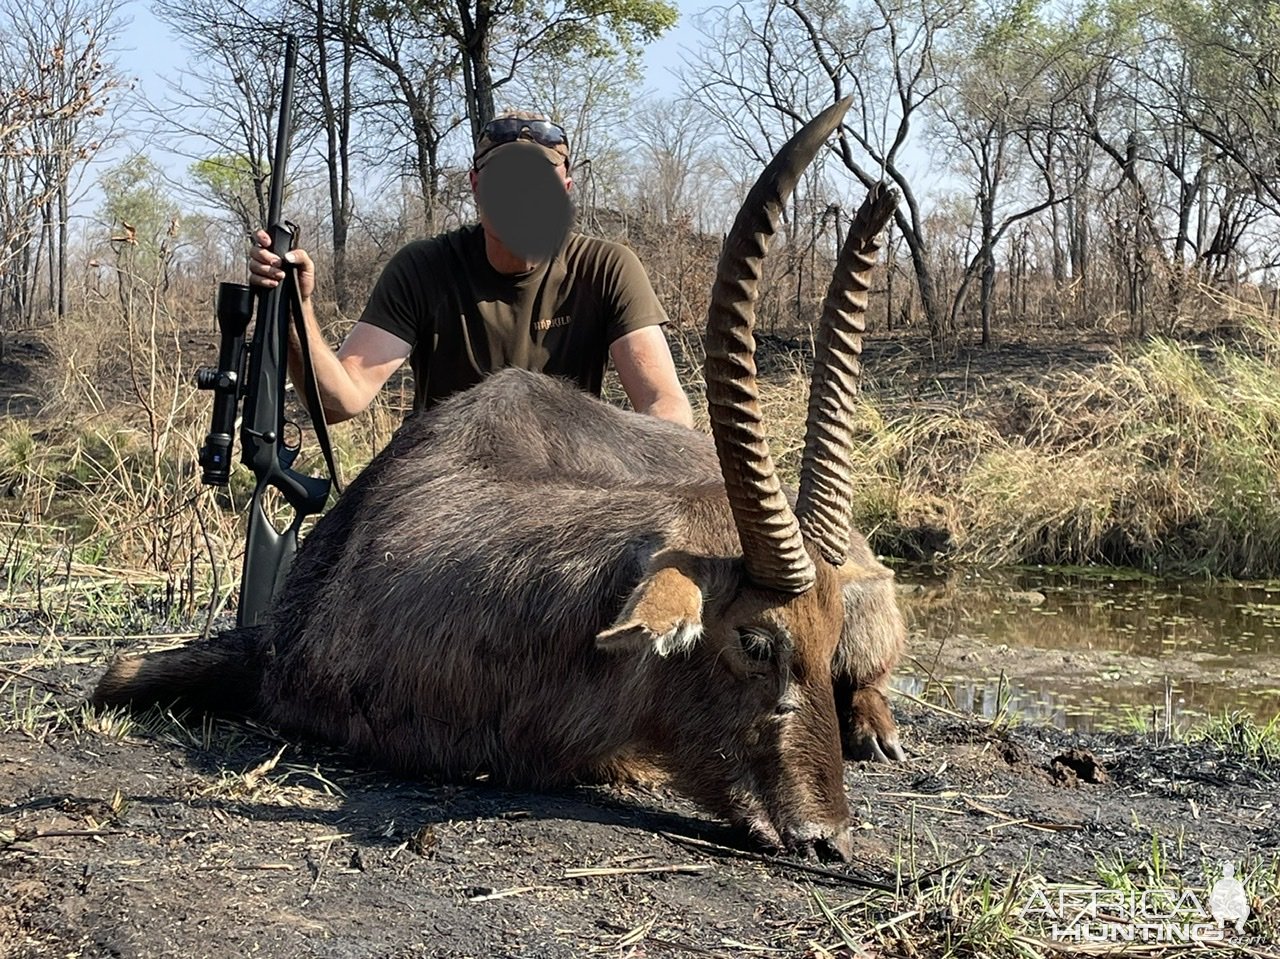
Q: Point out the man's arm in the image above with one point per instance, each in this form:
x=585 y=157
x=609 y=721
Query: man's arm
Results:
x=349 y=379
x=648 y=374
x=367 y=357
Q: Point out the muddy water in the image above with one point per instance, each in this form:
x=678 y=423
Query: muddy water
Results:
x=1091 y=651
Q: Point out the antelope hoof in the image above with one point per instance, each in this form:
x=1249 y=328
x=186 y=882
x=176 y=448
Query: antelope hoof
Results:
x=867 y=730
x=814 y=843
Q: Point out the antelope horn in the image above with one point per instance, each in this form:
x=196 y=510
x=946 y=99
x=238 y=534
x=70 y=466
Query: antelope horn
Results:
x=772 y=546
x=826 y=486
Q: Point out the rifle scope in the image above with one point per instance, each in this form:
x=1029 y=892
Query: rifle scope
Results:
x=226 y=380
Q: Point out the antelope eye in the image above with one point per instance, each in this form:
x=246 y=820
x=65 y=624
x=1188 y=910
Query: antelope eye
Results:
x=756 y=644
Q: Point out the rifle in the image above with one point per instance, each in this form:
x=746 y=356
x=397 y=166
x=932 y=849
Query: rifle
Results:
x=264 y=448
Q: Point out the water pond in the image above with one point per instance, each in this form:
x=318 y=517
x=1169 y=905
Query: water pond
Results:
x=1090 y=650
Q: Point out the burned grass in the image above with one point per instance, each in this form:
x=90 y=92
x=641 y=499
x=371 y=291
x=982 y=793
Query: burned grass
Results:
x=148 y=836
x=144 y=835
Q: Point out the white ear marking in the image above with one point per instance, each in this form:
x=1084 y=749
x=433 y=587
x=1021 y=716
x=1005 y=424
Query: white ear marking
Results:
x=681 y=639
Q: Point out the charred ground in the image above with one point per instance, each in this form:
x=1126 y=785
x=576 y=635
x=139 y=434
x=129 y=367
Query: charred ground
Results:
x=152 y=838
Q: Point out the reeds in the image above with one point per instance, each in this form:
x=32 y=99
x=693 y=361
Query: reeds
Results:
x=1165 y=458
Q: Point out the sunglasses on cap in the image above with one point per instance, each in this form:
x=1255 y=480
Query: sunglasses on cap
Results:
x=509 y=129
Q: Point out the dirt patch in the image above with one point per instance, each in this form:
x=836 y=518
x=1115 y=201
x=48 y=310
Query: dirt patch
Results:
x=219 y=840
x=21 y=357
x=1077 y=766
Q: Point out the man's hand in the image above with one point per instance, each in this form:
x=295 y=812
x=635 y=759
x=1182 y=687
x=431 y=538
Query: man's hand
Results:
x=266 y=270
x=349 y=379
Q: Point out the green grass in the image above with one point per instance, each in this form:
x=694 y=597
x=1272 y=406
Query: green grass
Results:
x=967 y=911
x=32 y=711
x=1240 y=736
x=1235 y=733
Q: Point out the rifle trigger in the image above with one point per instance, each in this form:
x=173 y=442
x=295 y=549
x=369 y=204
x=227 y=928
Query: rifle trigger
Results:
x=295 y=233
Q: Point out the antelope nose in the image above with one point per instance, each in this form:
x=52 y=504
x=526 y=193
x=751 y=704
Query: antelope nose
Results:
x=837 y=848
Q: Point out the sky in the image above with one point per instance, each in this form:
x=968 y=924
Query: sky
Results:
x=150 y=53
x=664 y=56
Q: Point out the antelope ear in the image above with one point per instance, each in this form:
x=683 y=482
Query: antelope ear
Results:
x=663 y=613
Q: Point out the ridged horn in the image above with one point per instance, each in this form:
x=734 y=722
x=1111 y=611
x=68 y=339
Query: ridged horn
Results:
x=826 y=486
x=772 y=546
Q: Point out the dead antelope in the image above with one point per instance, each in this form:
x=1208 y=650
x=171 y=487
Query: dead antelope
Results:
x=534 y=584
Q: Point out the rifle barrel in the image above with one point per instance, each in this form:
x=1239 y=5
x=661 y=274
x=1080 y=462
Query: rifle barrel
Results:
x=276 y=202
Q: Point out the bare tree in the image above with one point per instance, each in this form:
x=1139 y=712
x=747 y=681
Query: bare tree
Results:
x=1233 y=55
x=773 y=64
x=1215 y=74
x=56 y=81
x=410 y=108
x=224 y=113
x=998 y=64
x=335 y=95
x=670 y=145
x=1062 y=155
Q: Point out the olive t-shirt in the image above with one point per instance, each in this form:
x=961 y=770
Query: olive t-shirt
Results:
x=464 y=319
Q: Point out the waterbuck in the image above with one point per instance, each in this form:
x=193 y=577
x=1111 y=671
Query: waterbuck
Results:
x=531 y=583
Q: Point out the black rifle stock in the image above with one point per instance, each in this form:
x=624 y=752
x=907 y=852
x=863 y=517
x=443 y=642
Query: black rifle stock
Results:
x=268 y=551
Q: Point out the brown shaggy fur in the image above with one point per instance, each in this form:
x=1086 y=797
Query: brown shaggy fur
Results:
x=459 y=610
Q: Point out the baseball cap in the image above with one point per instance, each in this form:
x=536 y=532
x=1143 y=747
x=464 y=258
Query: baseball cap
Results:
x=521 y=126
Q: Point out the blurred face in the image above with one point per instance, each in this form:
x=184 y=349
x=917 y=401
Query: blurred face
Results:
x=523 y=200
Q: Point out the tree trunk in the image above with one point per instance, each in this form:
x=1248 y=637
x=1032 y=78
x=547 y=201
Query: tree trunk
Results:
x=477 y=73
x=986 y=302
x=930 y=302
x=63 y=218
x=988 y=293
x=48 y=246
x=890 y=269
x=1059 y=254
x=337 y=128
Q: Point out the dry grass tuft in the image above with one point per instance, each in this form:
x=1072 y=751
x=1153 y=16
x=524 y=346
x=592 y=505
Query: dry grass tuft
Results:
x=107 y=476
x=1166 y=458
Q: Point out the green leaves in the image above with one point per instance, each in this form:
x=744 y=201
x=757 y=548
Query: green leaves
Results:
x=234 y=184
x=136 y=208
